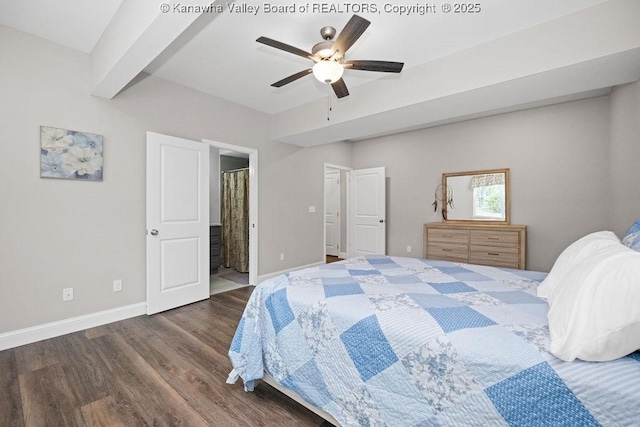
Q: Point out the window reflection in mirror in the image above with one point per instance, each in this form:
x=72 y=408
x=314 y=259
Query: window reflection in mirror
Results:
x=488 y=196
x=478 y=195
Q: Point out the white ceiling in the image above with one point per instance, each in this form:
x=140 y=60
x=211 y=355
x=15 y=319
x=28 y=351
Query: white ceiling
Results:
x=222 y=57
x=513 y=53
x=74 y=23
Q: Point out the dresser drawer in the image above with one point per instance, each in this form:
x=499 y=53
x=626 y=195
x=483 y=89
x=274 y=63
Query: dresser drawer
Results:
x=448 y=252
x=486 y=244
x=494 y=238
x=449 y=235
x=494 y=255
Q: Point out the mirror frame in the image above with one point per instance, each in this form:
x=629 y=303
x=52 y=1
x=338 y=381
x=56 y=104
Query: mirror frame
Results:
x=507 y=198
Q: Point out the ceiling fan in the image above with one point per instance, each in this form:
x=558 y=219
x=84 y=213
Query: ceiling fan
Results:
x=329 y=56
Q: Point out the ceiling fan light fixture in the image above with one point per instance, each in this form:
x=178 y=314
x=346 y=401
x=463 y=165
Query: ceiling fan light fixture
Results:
x=323 y=50
x=328 y=71
x=329 y=55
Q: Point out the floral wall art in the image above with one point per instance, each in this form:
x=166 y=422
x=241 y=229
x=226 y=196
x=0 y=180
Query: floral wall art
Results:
x=69 y=154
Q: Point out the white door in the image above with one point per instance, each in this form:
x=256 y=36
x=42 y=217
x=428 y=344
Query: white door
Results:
x=367 y=212
x=177 y=222
x=332 y=212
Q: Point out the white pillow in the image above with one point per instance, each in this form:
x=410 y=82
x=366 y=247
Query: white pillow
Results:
x=572 y=255
x=595 y=314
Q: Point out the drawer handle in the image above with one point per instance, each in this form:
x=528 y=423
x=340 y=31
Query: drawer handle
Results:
x=493 y=253
x=493 y=238
x=447 y=235
x=447 y=250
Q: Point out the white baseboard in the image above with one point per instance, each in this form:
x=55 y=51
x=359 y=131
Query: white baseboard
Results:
x=342 y=255
x=264 y=277
x=66 y=326
x=61 y=327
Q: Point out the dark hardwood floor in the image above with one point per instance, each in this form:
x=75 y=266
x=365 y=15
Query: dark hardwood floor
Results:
x=331 y=258
x=165 y=369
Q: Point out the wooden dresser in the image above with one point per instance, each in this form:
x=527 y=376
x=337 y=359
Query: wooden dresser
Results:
x=495 y=245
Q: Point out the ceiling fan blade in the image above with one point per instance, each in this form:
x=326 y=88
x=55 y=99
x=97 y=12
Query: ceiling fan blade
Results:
x=340 y=88
x=381 y=66
x=350 y=33
x=284 y=46
x=292 y=78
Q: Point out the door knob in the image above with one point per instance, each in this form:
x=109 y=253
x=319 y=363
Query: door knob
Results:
x=154 y=232
x=381 y=221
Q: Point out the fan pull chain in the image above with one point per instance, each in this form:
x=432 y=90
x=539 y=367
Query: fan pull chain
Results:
x=329 y=109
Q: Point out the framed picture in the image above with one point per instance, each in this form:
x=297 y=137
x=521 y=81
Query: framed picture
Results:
x=69 y=154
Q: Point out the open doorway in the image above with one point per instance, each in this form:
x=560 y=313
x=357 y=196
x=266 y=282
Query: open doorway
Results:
x=361 y=215
x=233 y=209
x=335 y=212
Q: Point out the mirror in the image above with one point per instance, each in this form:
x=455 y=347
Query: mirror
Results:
x=476 y=196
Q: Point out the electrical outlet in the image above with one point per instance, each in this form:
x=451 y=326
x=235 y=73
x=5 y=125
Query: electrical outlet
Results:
x=117 y=285
x=408 y=248
x=67 y=294
x=281 y=256
x=312 y=209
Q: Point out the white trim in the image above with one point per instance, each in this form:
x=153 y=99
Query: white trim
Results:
x=343 y=255
x=253 y=203
x=324 y=208
x=67 y=326
x=296 y=397
x=267 y=276
x=338 y=211
x=332 y=166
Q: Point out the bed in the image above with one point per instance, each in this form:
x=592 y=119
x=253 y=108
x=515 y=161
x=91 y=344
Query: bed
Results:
x=396 y=341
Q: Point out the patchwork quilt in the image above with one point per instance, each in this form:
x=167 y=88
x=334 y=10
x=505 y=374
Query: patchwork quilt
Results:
x=391 y=341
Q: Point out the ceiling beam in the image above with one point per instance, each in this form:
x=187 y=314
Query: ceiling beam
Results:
x=589 y=50
x=137 y=34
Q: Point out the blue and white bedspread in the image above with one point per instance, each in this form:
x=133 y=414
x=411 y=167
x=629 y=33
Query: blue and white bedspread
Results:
x=395 y=341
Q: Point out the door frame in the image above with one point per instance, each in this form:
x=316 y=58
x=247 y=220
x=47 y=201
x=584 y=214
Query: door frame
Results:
x=253 y=202
x=338 y=210
x=328 y=166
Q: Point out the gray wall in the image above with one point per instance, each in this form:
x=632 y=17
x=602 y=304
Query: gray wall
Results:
x=559 y=161
x=293 y=230
x=57 y=234
x=624 y=157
